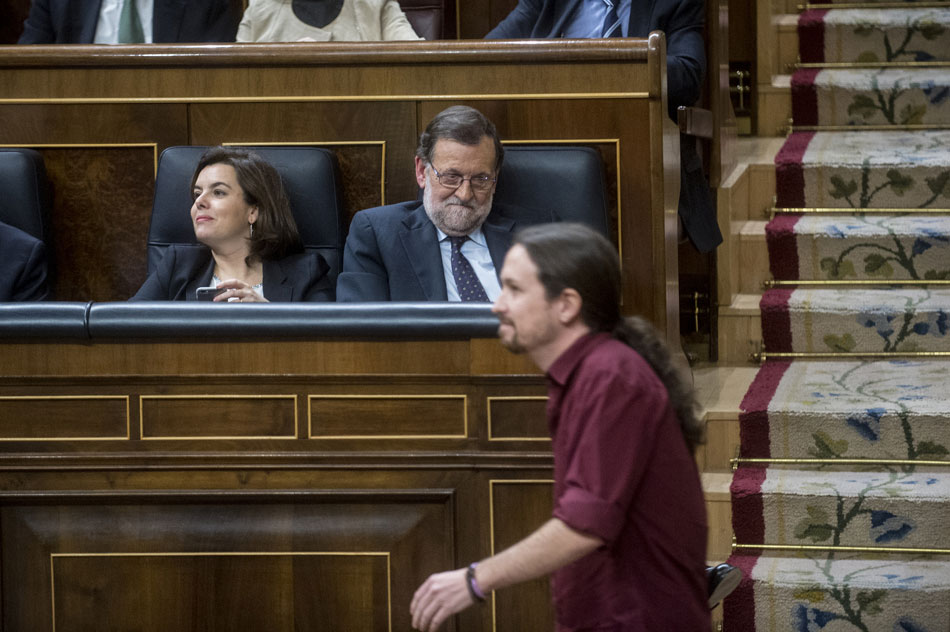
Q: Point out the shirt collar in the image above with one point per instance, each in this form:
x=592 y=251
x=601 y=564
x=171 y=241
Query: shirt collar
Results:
x=476 y=235
x=561 y=369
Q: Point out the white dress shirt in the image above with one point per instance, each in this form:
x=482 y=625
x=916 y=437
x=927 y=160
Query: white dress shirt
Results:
x=107 y=28
x=475 y=249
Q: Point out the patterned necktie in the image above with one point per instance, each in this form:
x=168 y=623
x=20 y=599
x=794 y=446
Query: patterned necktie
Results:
x=469 y=287
x=130 y=27
x=611 y=21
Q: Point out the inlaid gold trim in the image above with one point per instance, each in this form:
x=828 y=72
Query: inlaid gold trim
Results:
x=279 y=396
x=854 y=282
x=858 y=65
x=154 y=147
x=462 y=397
x=737 y=461
x=549 y=96
x=128 y=416
x=762 y=356
x=382 y=143
x=384 y=554
x=842 y=549
x=512 y=398
x=872 y=5
x=817 y=210
x=867 y=128
x=491 y=522
x=590 y=141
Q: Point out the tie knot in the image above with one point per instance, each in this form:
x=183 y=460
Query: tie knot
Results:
x=457 y=241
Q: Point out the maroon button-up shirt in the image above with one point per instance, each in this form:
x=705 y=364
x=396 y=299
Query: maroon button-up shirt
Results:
x=623 y=473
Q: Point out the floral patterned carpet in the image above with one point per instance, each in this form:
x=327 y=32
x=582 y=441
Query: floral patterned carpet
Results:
x=841 y=500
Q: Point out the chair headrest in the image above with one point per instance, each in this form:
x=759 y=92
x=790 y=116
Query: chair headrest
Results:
x=568 y=180
x=25 y=199
x=309 y=174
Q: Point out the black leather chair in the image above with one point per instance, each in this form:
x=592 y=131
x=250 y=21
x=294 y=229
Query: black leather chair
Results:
x=431 y=19
x=310 y=176
x=25 y=200
x=568 y=180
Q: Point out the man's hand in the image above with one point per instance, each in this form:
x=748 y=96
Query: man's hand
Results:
x=439 y=597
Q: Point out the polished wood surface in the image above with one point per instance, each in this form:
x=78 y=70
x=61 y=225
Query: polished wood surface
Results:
x=101 y=114
x=291 y=484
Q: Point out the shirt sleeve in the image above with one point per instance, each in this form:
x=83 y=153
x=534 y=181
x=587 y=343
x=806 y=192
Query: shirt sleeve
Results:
x=611 y=442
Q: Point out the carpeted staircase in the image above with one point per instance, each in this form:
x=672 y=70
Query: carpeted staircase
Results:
x=841 y=494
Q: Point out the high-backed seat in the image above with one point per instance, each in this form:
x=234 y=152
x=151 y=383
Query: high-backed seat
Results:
x=568 y=180
x=25 y=200
x=310 y=176
x=431 y=19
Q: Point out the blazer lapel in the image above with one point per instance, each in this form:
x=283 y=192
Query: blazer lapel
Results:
x=498 y=232
x=203 y=279
x=276 y=287
x=421 y=243
x=83 y=16
x=559 y=18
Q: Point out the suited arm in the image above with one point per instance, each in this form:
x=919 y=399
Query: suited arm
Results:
x=685 y=54
x=31 y=284
x=38 y=28
x=395 y=24
x=364 y=276
x=519 y=23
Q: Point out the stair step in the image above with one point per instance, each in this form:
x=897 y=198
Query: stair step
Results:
x=874 y=36
x=888 y=96
x=855 y=409
x=839 y=592
x=859 y=247
x=841 y=508
x=864 y=169
x=862 y=320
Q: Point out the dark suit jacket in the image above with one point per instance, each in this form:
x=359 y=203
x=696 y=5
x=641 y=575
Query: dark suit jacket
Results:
x=392 y=252
x=173 y=21
x=682 y=22
x=22 y=266
x=185 y=268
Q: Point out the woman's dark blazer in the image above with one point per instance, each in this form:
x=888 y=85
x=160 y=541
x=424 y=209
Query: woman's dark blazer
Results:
x=185 y=268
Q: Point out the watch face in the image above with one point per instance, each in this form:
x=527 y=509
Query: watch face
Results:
x=317 y=13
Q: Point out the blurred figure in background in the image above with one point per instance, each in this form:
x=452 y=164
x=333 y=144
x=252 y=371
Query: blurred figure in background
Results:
x=324 y=20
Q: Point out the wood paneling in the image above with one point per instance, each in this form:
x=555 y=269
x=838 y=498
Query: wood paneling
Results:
x=388 y=416
x=296 y=561
x=516 y=505
x=218 y=416
x=64 y=417
x=517 y=417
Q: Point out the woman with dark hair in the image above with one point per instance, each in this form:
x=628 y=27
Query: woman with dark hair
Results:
x=251 y=250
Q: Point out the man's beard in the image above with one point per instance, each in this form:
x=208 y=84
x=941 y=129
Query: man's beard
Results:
x=512 y=343
x=454 y=217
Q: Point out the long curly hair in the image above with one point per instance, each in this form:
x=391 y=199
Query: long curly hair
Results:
x=569 y=255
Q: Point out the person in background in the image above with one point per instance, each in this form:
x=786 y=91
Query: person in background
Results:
x=23 y=266
x=682 y=22
x=250 y=248
x=626 y=543
x=129 y=22
x=324 y=20
x=449 y=246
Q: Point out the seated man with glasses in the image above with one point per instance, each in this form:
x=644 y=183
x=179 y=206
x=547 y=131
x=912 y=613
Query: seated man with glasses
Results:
x=450 y=246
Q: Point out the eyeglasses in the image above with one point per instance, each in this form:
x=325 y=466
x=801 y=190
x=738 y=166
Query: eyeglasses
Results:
x=481 y=184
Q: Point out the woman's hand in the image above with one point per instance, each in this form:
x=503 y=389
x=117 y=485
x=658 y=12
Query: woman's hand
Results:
x=238 y=292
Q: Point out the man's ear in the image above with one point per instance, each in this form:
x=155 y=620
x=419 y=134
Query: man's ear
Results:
x=569 y=306
x=420 y=172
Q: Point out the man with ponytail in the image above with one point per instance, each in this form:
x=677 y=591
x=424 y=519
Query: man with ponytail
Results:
x=626 y=544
